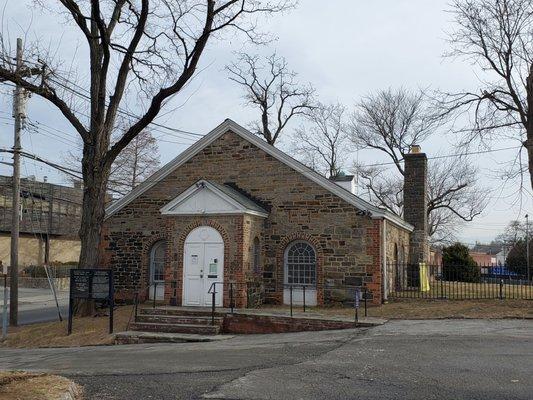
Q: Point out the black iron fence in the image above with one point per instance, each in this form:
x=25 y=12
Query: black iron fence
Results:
x=459 y=282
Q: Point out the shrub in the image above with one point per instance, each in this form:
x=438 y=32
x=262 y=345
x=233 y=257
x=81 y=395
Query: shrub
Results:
x=458 y=265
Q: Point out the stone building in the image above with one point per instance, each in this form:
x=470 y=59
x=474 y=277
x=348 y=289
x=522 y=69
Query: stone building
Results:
x=235 y=213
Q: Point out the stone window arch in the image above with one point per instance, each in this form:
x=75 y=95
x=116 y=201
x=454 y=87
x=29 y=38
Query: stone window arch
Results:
x=300 y=263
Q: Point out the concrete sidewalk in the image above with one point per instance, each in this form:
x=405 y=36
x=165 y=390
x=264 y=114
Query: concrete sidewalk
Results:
x=419 y=360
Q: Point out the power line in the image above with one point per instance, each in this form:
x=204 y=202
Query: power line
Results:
x=65 y=170
x=87 y=96
x=450 y=155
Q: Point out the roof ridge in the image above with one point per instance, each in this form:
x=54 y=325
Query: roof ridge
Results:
x=230 y=125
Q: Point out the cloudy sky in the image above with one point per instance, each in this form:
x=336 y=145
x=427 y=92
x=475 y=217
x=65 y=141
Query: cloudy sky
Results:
x=345 y=48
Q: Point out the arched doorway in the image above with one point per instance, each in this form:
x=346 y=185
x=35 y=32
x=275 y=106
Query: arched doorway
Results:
x=203 y=265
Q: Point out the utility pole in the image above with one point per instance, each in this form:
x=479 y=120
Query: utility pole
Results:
x=15 y=216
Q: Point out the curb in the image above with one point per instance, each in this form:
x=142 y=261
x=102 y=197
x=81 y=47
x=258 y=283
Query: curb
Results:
x=74 y=392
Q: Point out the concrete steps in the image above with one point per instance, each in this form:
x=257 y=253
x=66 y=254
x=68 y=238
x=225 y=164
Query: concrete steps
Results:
x=179 y=312
x=135 y=337
x=176 y=321
x=175 y=328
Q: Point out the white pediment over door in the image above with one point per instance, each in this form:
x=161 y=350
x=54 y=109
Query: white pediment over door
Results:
x=206 y=197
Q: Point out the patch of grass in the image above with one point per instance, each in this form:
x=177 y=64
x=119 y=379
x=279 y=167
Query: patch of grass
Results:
x=27 y=386
x=86 y=331
x=422 y=309
x=453 y=290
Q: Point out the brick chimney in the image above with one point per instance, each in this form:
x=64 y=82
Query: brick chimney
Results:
x=415 y=203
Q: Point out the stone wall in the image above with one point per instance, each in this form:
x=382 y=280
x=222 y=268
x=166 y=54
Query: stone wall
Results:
x=397 y=252
x=250 y=324
x=347 y=244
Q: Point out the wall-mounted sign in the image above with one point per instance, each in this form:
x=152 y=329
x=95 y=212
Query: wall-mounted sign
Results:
x=194 y=259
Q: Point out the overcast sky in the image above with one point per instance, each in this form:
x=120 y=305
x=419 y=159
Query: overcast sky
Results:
x=345 y=48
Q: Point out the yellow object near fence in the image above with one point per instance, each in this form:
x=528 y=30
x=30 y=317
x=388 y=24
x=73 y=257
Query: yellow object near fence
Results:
x=424 y=277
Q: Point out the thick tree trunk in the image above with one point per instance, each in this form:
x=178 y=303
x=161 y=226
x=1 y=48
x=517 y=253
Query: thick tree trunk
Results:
x=529 y=148
x=95 y=177
x=94 y=196
x=529 y=123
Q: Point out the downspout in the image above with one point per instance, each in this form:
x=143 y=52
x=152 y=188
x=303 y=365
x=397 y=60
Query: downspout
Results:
x=384 y=261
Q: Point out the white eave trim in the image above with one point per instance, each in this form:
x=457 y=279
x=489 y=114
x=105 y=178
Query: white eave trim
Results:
x=167 y=209
x=229 y=125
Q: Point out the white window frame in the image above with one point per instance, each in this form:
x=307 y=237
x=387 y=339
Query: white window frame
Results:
x=286 y=264
x=154 y=248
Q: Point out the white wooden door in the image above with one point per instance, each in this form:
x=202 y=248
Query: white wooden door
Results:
x=203 y=265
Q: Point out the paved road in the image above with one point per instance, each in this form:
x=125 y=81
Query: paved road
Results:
x=38 y=305
x=459 y=359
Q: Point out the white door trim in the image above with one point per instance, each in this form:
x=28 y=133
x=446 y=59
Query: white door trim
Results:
x=203 y=264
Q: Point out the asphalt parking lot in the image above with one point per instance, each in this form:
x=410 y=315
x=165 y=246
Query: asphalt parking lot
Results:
x=431 y=359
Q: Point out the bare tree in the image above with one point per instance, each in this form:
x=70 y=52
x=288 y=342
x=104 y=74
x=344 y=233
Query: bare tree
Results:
x=139 y=159
x=495 y=35
x=145 y=50
x=391 y=122
x=323 y=144
x=454 y=196
x=514 y=232
x=272 y=88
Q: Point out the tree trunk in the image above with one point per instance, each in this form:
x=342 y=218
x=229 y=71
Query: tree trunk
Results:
x=529 y=148
x=95 y=177
x=529 y=123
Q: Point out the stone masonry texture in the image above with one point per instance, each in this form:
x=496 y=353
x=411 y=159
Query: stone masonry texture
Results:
x=348 y=245
x=415 y=205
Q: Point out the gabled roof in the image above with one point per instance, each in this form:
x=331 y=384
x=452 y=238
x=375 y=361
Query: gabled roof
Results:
x=229 y=125
x=208 y=197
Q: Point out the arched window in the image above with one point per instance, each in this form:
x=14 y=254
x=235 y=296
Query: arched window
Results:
x=300 y=263
x=256 y=252
x=157 y=262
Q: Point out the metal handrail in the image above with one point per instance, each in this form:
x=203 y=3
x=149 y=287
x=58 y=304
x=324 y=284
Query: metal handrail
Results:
x=361 y=293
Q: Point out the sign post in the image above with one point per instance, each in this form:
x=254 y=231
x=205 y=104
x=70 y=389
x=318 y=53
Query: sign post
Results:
x=91 y=284
x=4 y=307
x=356 y=303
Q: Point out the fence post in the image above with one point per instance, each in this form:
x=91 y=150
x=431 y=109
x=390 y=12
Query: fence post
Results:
x=304 y=296
x=231 y=299
x=501 y=289
x=155 y=292
x=290 y=289
x=136 y=305
x=366 y=311
x=442 y=285
x=356 y=305
x=213 y=304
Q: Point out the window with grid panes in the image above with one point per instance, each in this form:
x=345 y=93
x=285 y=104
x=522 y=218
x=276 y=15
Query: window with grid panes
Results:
x=300 y=264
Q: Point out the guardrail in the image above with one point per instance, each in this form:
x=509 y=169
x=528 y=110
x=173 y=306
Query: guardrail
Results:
x=360 y=294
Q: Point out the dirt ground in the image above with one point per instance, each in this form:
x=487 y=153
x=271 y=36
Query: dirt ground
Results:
x=26 y=386
x=85 y=332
